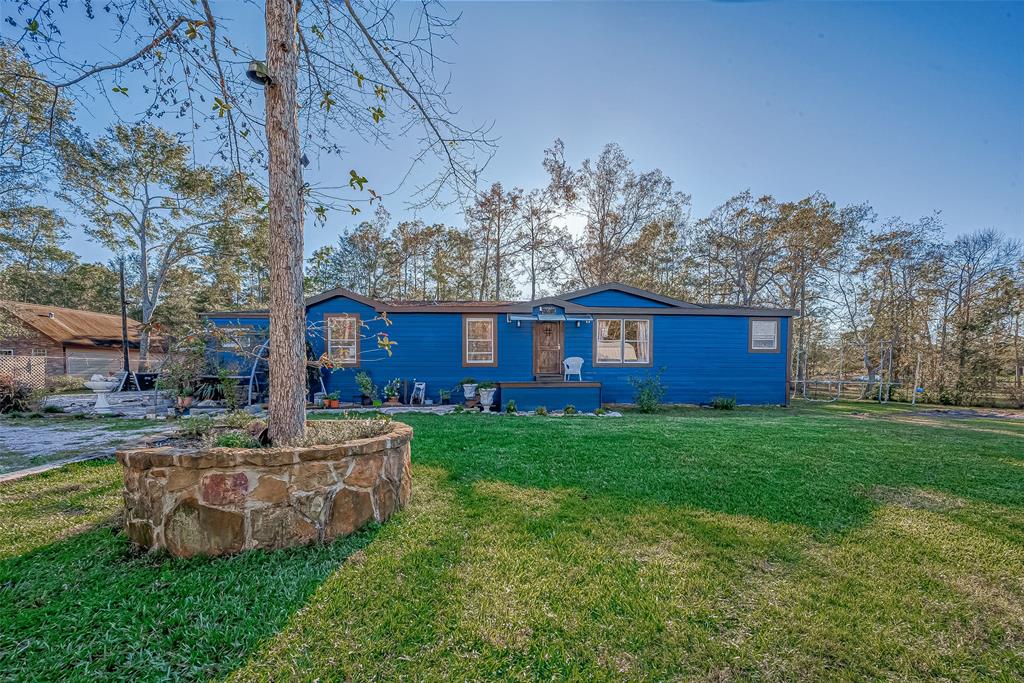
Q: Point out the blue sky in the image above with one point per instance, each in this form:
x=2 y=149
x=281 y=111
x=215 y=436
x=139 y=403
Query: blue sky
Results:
x=913 y=107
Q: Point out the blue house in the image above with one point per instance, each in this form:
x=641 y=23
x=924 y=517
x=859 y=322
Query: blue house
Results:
x=619 y=332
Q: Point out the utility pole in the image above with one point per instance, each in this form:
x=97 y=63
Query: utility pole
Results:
x=124 y=325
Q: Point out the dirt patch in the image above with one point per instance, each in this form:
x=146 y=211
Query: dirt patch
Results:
x=971 y=414
x=915 y=499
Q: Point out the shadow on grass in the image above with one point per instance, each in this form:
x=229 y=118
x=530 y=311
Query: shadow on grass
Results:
x=89 y=606
x=779 y=466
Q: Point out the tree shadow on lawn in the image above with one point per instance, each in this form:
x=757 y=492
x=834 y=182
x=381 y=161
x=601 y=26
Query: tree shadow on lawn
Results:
x=778 y=466
x=89 y=606
x=487 y=580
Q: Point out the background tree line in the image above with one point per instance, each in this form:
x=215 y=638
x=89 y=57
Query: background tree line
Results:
x=864 y=286
x=194 y=238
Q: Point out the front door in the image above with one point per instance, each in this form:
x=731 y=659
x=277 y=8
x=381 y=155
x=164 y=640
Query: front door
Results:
x=547 y=349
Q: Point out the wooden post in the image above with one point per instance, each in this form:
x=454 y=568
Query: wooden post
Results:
x=917 y=373
x=124 y=324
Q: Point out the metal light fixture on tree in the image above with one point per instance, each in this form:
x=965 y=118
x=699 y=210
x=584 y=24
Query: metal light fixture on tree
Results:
x=257 y=73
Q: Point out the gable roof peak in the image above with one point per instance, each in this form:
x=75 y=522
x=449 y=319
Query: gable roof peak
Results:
x=629 y=289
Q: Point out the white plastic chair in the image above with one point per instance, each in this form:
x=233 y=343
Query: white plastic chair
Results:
x=419 y=393
x=573 y=365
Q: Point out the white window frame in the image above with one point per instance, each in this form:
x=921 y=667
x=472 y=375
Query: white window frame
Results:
x=621 y=361
x=754 y=339
x=333 y=344
x=6 y=352
x=492 y=339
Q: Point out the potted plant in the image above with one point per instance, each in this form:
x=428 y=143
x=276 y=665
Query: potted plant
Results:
x=367 y=389
x=332 y=400
x=446 y=397
x=469 y=388
x=185 y=398
x=487 y=390
x=391 y=391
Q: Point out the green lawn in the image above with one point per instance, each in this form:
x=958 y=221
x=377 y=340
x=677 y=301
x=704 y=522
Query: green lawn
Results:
x=833 y=541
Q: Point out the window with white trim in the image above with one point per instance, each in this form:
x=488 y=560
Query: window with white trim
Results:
x=623 y=341
x=343 y=339
x=39 y=352
x=6 y=352
x=764 y=334
x=479 y=341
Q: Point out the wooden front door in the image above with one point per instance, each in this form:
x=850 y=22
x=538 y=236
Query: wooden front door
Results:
x=548 y=338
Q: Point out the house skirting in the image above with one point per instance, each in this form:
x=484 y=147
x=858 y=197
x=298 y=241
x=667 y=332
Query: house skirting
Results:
x=584 y=396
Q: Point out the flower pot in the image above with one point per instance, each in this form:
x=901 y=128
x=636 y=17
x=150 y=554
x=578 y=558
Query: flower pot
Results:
x=469 y=390
x=392 y=400
x=333 y=403
x=487 y=398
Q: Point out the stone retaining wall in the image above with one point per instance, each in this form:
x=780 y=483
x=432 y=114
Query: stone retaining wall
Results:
x=224 y=500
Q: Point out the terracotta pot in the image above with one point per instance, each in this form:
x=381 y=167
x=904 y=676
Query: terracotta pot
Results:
x=393 y=401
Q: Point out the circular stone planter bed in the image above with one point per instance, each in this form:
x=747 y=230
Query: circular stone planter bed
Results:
x=212 y=501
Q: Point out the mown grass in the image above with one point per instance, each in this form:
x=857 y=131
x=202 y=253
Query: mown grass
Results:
x=817 y=543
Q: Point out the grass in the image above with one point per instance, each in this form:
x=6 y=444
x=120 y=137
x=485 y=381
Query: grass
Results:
x=834 y=541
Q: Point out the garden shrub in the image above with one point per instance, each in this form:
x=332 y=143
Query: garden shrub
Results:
x=601 y=411
x=65 y=384
x=195 y=427
x=53 y=409
x=236 y=440
x=15 y=397
x=510 y=408
x=236 y=420
x=540 y=410
x=723 y=403
x=366 y=386
x=229 y=389
x=649 y=392
x=570 y=410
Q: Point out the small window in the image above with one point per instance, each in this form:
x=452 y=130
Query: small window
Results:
x=479 y=341
x=764 y=335
x=39 y=353
x=343 y=339
x=625 y=341
x=6 y=352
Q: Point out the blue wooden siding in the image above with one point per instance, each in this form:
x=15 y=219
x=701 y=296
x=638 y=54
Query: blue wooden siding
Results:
x=237 y=361
x=703 y=356
x=429 y=349
x=584 y=399
x=614 y=298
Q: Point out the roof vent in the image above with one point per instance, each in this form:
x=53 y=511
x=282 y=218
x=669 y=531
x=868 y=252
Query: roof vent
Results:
x=50 y=315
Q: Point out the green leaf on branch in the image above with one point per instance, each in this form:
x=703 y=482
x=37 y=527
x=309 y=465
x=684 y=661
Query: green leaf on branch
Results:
x=220 y=106
x=356 y=180
x=120 y=89
x=321 y=213
x=33 y=26
x=359 y=77
x=316 y=31
x=354 y=209
x=381 y=92
x=327 y=101
x=378 y=114
x=192 y=31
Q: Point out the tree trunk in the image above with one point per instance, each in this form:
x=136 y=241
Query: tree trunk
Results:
x=287 y=419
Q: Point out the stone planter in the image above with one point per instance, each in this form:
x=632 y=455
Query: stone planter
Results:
x=215 y=501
